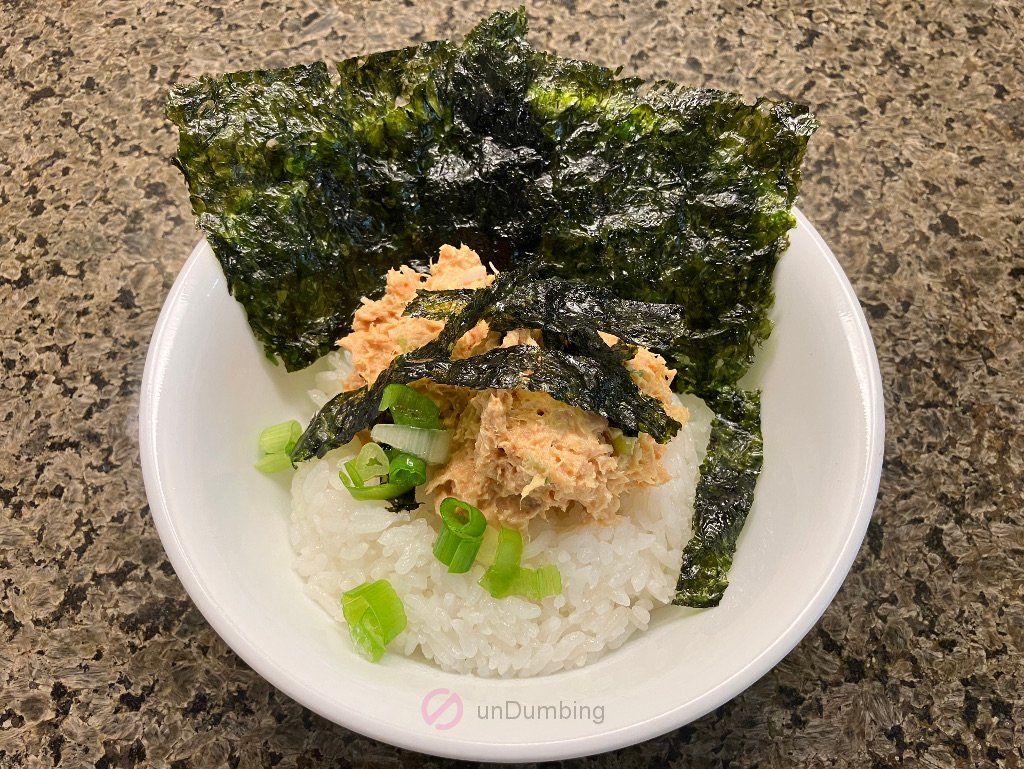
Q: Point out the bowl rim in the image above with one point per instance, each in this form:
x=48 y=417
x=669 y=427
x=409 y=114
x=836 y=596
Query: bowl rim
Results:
x=438 y=745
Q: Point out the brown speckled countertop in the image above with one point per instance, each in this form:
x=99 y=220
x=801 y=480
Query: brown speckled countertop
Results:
x=914 y=179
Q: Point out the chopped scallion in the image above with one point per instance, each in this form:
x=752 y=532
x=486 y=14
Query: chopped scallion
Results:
x=407 y=470
x=403 y=472
x=433 y=446
x=375 y=617
x=371 y=462
x=357 y=480
x=488 y=548
x=380 y=491
x=272 y=463
x=408 y=407
x=276 y=442
x=506 y=576
x=276 y=437
x=462 y=530
x=537 y=583
x=624 y=444
x=498 y=578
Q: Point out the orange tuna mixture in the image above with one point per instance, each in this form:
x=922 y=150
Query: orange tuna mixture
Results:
x=380 y=333
x=515 y=454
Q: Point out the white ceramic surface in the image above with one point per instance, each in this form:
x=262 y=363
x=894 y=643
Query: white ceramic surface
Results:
x=208 y=390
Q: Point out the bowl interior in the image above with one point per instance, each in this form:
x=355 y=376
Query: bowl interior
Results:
x=208 y=390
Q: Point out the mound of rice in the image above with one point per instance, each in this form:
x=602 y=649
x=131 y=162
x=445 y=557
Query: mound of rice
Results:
x=613 y=576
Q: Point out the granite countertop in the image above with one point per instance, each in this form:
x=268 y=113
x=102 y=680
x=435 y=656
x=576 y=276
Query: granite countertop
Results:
x=914 y=180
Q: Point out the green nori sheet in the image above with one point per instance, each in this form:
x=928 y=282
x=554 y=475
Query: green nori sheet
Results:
x=308 y=191
x=725 y=493
x=601 y=386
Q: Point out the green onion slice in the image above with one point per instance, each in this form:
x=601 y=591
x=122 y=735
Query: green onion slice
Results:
x=354 y=479
x=488 y=548
x=371 y=462
x=433 y=446
x=498 y=578
x=276 y=442
x=537 y=583
x=624 y=445
x=407 y=470
x=282 y=437
x=380 y=491
x=403 y=472
x=272 y=463
x=462 y=532
x=375 y=617
x=408 y=407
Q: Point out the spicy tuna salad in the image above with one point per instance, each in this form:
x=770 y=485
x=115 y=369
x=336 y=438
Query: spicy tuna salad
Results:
x=515 y=454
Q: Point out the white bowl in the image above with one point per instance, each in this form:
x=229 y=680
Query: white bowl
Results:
x=208 y=390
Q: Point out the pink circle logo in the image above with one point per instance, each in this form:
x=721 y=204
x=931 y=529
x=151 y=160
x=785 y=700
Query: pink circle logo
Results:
x=434 y=716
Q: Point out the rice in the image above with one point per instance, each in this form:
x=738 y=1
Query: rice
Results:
x=613 y=576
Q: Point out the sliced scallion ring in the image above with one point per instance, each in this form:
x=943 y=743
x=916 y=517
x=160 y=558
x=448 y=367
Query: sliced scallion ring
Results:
x=272 y=463
x=380 y=491
x=353 y=479
x=375 y=617
x=432 y=446
x=276 y=442
x=498 y=578
x=403 y=473
x=624 y=445
x=371 y=462
x=407 y=470
x=462 y=532
x=537 y=583
x=408 y=407
x=282 y=437
x=488 y=548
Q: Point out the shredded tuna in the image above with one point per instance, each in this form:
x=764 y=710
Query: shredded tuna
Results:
x=515 y=454
x=380 y=332
x=518 y=454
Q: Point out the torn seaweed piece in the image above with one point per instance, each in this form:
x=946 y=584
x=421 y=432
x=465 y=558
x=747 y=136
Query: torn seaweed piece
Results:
x=403 y=502
x=569 y=314
x=309 y=191
x=725 y=493
x=601 y=386
x=567 y=310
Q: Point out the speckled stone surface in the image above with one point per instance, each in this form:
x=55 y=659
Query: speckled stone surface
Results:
x=914 y=179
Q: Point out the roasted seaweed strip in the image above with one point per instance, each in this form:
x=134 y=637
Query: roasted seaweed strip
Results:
x=725 y=493
x=587 y=383
x=569 y=309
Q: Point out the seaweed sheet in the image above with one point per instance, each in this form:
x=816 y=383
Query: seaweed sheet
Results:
x=309 y=190
x=568 y=308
